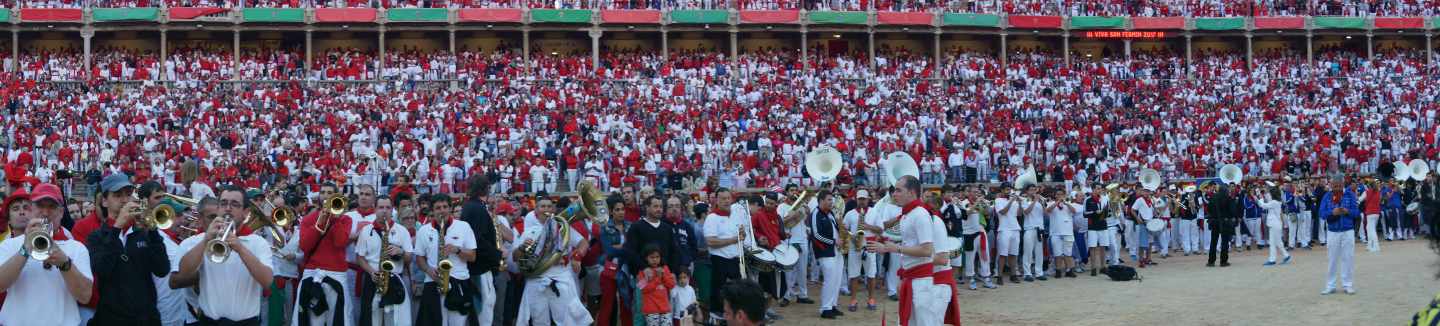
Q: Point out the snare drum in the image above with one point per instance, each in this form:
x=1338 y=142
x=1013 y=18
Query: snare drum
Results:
x=786 y=256
x=761 y=260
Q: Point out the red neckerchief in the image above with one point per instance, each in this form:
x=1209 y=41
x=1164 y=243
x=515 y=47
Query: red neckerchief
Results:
x=170 y=233
x=721 y=212
x=60 y=235
x=365 y=211
x=917 y=203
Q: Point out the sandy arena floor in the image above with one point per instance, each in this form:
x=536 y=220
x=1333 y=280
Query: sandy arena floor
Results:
x=1391 y=286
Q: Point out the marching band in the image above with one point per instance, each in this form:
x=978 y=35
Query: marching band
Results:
x=241 y=257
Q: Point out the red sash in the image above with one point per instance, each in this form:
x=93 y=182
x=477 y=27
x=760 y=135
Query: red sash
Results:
x=906 y=293
x=952 y=313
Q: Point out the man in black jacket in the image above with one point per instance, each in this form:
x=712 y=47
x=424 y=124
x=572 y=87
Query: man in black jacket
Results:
x=651 y=231
x=1224 y=210
x=125 y=258
x=487 y=255
x=823 y=236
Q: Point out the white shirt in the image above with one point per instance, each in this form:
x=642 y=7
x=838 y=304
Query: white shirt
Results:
x=228 y=289
x=916 y=228
x=881 y=213
x=171 y=302
x=368 y=245
x=199 y=191
x=39 y=295
x=853 y=219
x=1062 y=221
x=723 y=227
x=536 y=229
x=1009 y=219
x=1141 y=208
x=1273 y=211
x=938 y=232
x=427 y=244
x=1035 y=220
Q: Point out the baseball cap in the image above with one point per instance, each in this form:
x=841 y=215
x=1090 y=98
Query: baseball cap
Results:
x=47 y=191
x=862 y=194
x=115 y=182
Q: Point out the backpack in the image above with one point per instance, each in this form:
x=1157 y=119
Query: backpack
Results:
x=1121 y=273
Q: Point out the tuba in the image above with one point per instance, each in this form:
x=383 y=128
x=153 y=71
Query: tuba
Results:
x=1027 y=178
x=1150 y=179
x=1231 y=174
x=1419 y=169
x=535 y=258
x=823 y=164
x=1402 y=171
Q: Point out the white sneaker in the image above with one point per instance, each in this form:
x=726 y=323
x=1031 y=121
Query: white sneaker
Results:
x=1328 y=291
x=1349 y=290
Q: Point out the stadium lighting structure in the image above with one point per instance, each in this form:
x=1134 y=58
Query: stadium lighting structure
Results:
x=837 y=36
x=1347 y=37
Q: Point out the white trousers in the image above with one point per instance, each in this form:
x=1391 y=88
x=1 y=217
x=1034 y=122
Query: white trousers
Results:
x=571 y=178
x=330 y=296
x=1299 y=226
x=1032 y=255
x=1277 y=245
x=830 y=287
x=1189 y=236
x=541 y=306
x=795 y=278
x=1252 y=237
x=892 y=278
x=971 y=260
x=928 y=310
x=1113 y=255
x=396 y=315
x=1341 y=251
x=486 y=283
x=1372 y=242
x=1165 y=239
x=1132 y=239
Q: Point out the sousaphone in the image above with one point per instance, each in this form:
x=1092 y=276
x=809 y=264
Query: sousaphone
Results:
x=1402 y=171
x=1231 y=174
x=1150 y=179
x=1419 y=169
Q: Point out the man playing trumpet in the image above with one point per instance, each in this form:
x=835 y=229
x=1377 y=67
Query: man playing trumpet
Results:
x=41 y=289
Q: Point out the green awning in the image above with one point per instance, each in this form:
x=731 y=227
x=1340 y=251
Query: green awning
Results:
x=572 y=16
x=125 y=14
x=1219 y=24
x=1096 y=22
x=1339 y=22
x=839 y=17
x=1434 y=22
x=976 y=20
x=4 y=15
x=273 y=15
x=700 y=16
x=417 y=15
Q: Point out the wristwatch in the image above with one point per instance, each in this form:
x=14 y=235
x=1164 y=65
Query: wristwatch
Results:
x=66 y=266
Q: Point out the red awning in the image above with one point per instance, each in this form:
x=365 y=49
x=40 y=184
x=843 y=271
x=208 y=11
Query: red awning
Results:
x=192 y=12
x=1035 y=21
x=1399 y=22
x=1159 y=22
x=770 y=16
x=345 y=15
x=51 y=15
x=492 y=15
x=630 y=16
x=904 y=18
x=1279 y=22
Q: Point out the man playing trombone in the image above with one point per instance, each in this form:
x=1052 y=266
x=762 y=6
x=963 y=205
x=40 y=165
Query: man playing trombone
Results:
x=236 y=268
x=324 y=236
x=127 y=254
x=45 y=280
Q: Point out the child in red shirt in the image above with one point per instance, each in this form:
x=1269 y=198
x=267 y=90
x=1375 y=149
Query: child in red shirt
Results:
x=655 y=284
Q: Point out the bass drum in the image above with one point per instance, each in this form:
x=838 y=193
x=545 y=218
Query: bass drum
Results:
x=761 y=260
x=786 y=256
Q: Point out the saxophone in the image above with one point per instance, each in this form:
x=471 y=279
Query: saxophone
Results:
x=442 y=269
x=387 y=266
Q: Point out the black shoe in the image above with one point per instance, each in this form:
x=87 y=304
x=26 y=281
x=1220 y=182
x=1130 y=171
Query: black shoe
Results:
x=1092 y=273
x=1070 y=274
x=838 y=312
x=1014 y=279
x=1225 y=264
x=1030 y=278
x=830 y=314
x=895 y=298
x=1210 y=264
x=805 y=301
x=785 y=302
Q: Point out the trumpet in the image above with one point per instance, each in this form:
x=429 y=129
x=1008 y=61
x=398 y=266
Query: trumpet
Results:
x=162 y=216
x=217 y=250
x=40 y=243
x=335 y=205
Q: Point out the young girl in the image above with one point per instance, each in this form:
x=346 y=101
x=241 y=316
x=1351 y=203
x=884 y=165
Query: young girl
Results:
x=655 y=284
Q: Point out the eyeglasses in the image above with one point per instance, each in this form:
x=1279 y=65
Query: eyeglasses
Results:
x=232 y=204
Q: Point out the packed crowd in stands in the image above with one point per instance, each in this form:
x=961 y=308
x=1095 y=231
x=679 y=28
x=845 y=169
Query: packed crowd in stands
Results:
x=640 y=119
x=1138 y=8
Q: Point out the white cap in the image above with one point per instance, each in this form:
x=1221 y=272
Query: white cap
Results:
x=862 y=194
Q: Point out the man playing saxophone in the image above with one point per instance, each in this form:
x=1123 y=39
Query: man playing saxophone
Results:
x=445 y=247
x=383 y=249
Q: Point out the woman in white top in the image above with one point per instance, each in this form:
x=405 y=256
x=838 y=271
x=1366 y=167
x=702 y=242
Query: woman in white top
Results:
x=1273 y=220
